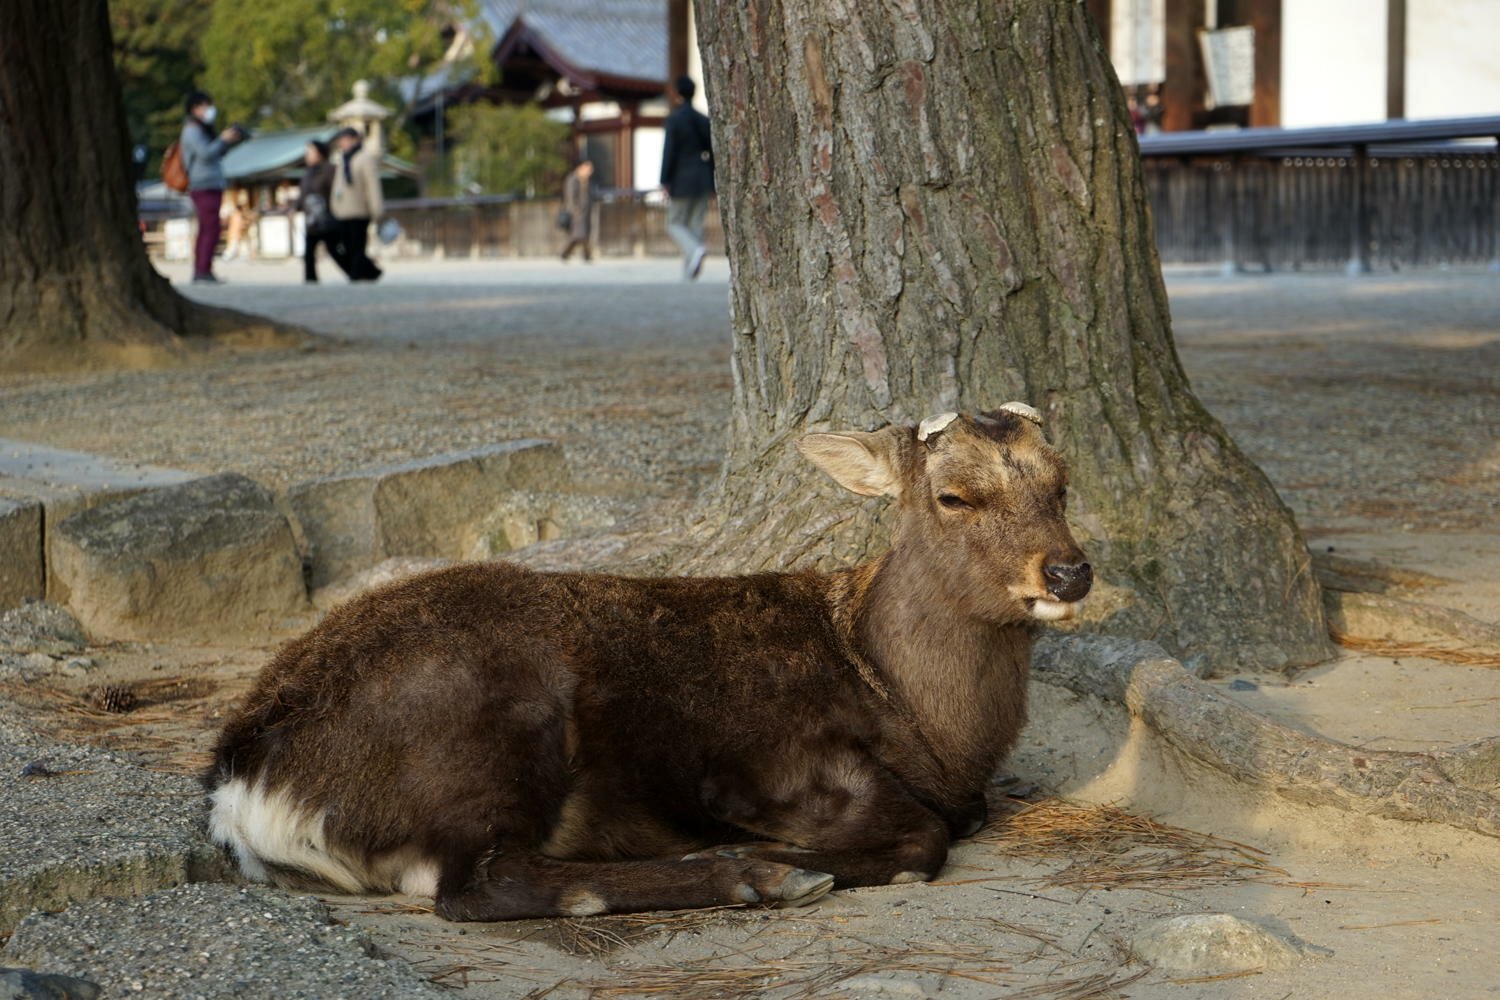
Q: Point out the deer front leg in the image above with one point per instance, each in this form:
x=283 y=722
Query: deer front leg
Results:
x=516 y=887
x=858 y=824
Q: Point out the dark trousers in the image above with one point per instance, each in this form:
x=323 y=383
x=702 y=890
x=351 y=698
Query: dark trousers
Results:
x=348 y=249
x=578 y=241
x=310 y=241
x=206 y=207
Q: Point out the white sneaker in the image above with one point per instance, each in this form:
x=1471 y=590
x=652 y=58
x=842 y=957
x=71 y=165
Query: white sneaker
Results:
x=695 y=263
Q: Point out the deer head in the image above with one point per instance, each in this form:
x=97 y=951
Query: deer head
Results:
x=981 y=504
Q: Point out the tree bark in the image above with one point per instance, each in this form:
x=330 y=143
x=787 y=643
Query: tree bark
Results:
x=75 y=285
x=937 y=205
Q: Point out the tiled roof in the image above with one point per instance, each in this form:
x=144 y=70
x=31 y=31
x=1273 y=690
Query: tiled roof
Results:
x=618 y=38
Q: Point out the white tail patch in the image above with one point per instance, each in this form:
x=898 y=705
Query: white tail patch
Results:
x=270 y=831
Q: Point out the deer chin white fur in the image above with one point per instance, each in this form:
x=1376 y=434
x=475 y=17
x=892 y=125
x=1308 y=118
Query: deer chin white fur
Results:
x=273 y=835
x=1045 y=610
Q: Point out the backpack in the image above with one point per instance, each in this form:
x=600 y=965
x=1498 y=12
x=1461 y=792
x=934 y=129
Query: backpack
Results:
x=173 y=173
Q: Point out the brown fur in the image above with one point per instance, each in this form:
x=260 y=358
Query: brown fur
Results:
x=557 y=742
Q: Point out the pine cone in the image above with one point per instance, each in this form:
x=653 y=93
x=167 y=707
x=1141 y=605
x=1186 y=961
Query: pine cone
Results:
x=113 y=698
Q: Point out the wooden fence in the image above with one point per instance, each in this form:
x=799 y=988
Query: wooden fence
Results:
x=1297 y=212
x=624 y=226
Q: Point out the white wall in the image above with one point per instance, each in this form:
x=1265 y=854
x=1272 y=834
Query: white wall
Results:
x=1452 y=58
x=647 y=153
x=1333 y=61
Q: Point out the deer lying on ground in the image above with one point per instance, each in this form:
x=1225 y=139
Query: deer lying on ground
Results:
x=522 y=744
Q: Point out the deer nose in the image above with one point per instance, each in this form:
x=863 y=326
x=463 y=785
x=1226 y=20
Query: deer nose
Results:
x=1068 y=581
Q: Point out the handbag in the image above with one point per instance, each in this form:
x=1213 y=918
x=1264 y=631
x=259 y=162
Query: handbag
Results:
x=564 y=219
x=320 y=221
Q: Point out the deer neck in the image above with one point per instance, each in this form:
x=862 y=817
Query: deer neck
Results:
x=963 y=681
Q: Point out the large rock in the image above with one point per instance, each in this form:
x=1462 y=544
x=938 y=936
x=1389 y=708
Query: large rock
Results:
x=215 y=942
x=1214 y=944
x=208 y=559
x=437 y=507
x=78 y=822
x=65 y=482
x=21 y=566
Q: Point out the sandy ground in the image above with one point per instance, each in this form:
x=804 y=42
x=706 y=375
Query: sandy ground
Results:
x=1374 y=405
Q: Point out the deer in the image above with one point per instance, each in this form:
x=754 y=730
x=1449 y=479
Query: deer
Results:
x=520 y=744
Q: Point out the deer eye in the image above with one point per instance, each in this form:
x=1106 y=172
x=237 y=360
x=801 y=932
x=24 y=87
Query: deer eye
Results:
x=954 y=502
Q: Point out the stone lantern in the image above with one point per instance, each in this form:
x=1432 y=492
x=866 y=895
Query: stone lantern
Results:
x=363 y=114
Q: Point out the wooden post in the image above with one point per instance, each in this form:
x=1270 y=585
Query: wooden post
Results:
x=1182 y=91
x=677 y=38
x=1359 y=226
x=1229 y=233
x=1395 y=58
x=1265 y=18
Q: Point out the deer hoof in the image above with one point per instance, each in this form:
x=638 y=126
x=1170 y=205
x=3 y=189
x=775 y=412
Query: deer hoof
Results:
x=801 y=887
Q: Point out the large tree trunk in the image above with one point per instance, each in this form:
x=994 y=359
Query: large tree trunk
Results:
x=75 y=285
x=937 y=204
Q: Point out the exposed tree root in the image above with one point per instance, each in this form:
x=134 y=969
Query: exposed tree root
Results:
x=1456 y=786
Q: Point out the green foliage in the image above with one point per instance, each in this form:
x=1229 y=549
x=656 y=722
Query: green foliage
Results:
x=280 y=63
x=504 y=149
x=156 y=56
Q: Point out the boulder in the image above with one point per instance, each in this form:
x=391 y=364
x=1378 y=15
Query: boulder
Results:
x=382 y=573
x=21 y=566
x=439 y=507
x=1214 y=944
x=210 y=558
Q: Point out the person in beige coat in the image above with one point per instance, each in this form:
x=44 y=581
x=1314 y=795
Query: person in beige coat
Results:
x=356 y=202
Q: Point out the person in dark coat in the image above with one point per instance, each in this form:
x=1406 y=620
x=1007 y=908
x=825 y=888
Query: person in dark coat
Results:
x=687 y=174
x=314 y=203
x=578 y=203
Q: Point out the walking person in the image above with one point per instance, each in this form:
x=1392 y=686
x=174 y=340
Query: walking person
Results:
x=357 y=201
x=314 y=202
x=687 y=174
x=239 y=222
x=203 y=159
x=577 y=216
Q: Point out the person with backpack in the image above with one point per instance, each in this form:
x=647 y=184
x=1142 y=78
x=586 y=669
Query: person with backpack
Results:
x=687 y=174
x=202 y=156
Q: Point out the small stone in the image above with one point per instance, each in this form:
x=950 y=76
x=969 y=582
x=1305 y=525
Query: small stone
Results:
x=1242 y=685
x=1212 y=944
x=23 y=984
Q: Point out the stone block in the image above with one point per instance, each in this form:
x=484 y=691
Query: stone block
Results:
x=438 y=507
x=65 y=482
x=204 y=560
x=22 y=572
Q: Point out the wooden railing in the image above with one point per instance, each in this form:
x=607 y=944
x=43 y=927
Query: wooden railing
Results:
x=1298 y=212
x=625 y=225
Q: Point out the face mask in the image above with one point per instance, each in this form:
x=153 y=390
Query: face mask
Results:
x=209 y=114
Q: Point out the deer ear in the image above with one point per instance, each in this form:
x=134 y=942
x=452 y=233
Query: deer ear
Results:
x=866 y=462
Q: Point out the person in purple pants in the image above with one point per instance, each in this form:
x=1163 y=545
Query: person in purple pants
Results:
x=203 y=158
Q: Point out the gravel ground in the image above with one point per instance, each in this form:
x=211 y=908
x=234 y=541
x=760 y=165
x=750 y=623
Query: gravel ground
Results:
x=207 y=942
x=1365 y=400
x=77 y=822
